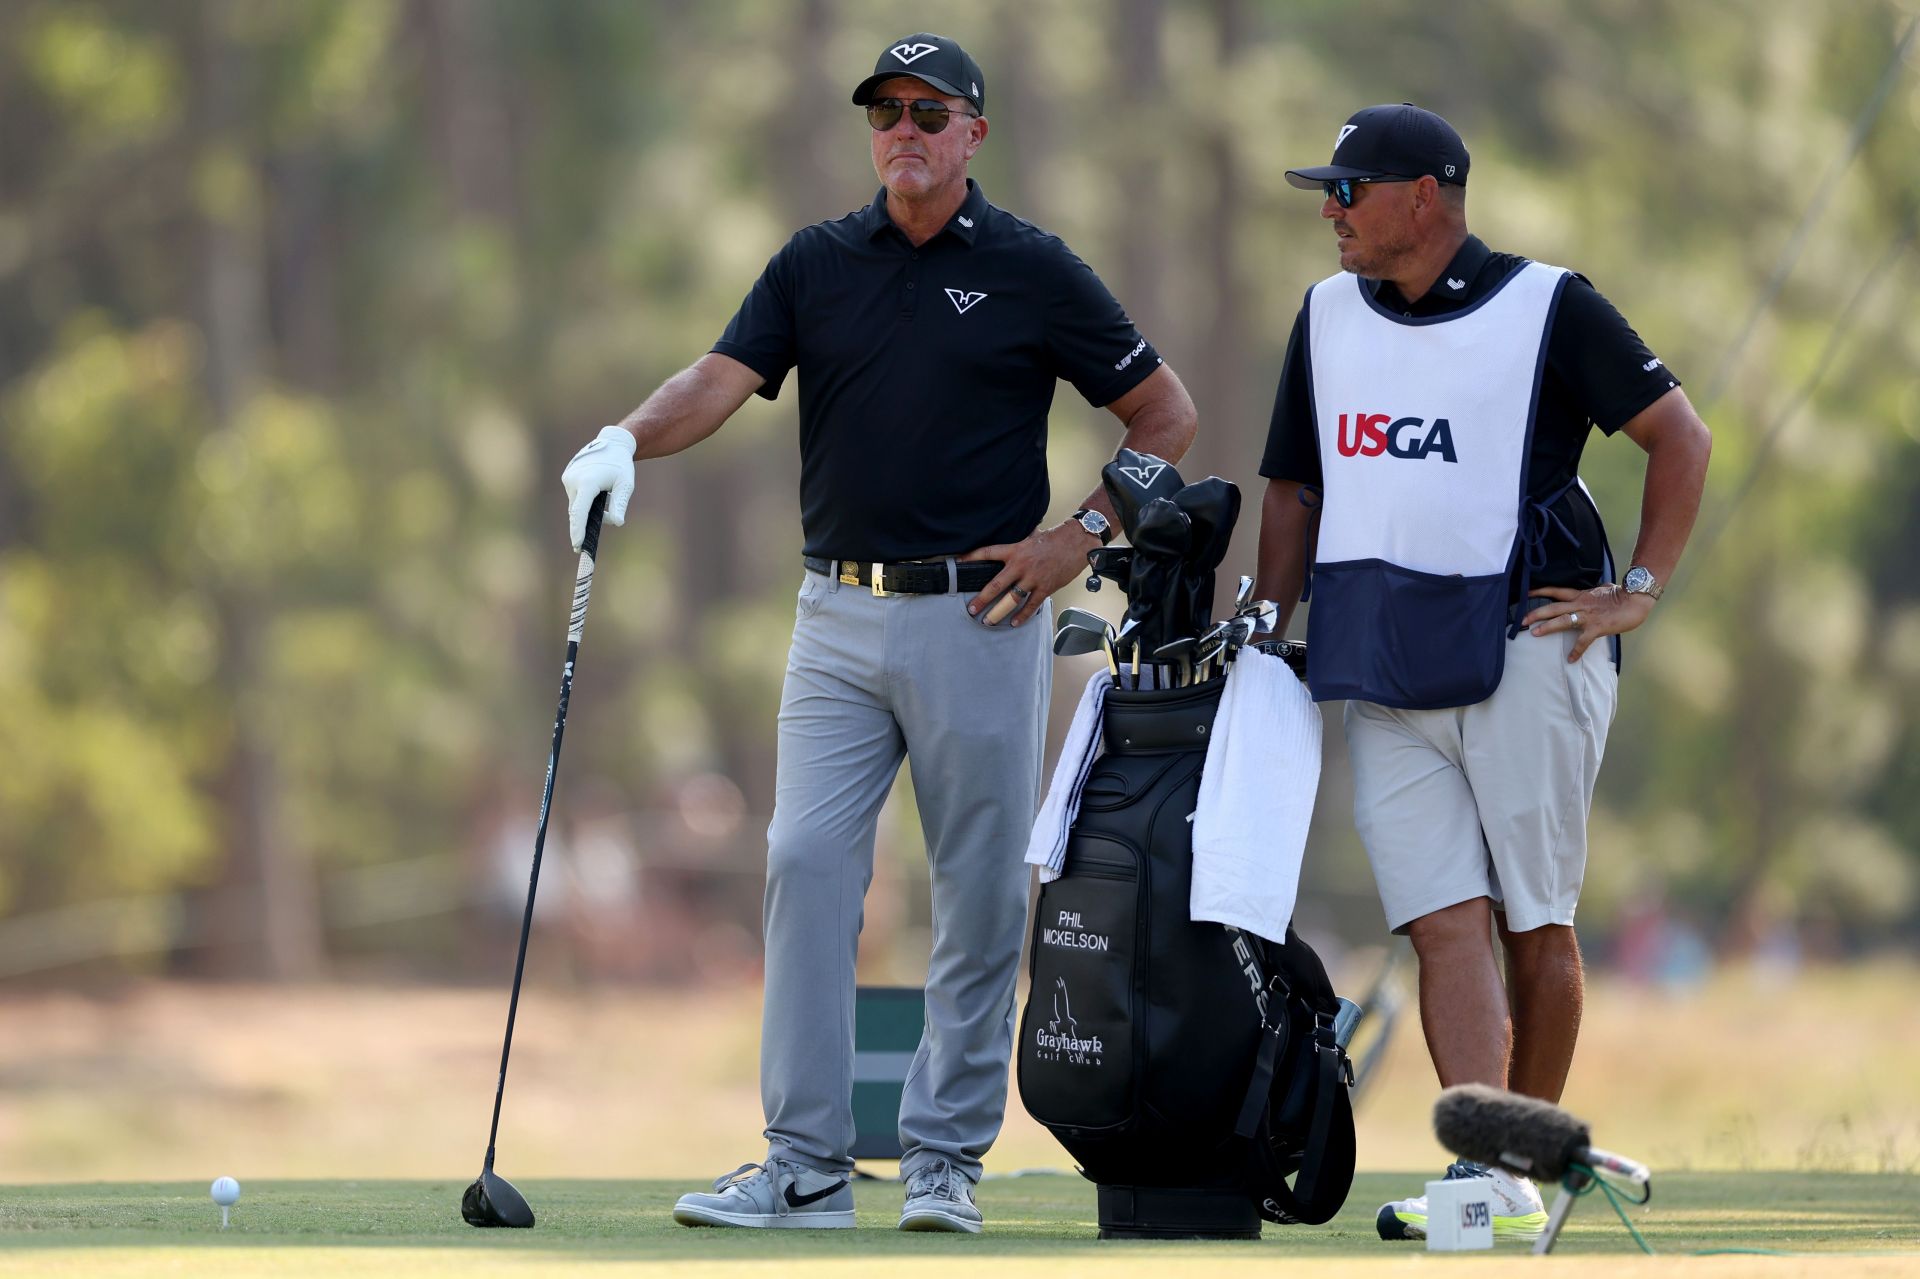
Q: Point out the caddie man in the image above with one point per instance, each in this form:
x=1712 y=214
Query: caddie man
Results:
x=928 y=330
x=1423 y=486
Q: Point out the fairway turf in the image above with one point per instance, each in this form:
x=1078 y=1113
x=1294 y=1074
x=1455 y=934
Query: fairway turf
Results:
x=1835 y=1224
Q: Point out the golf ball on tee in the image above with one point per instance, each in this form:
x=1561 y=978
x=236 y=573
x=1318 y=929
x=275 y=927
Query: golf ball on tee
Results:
x=225 y=1192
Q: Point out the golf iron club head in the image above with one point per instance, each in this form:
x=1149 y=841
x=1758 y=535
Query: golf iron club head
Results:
x=1080 y=631
x=492 y=1201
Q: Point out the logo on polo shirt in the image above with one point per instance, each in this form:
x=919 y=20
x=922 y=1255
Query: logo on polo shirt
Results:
x=1408 y=437
x=1128 y=359
x=912 y=52
x=962 y=300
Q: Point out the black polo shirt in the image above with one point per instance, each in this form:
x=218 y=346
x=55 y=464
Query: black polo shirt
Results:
x=926 y=373
x=1599 y=373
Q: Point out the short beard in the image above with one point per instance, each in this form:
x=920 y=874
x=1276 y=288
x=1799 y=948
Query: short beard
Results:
x=1379 y=260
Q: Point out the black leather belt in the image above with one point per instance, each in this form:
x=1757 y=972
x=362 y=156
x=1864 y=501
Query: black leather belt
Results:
x=914 y=577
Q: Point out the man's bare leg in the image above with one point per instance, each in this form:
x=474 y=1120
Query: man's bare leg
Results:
x=1463 y=1005
x=1546 y=988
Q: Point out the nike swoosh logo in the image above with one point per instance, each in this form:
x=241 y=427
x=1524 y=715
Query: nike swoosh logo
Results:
x=801 y=1201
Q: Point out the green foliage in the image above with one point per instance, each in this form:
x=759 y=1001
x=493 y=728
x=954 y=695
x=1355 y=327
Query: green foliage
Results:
x=303 y=305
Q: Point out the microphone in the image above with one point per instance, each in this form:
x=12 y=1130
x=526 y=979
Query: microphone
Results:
x=1522 y=1134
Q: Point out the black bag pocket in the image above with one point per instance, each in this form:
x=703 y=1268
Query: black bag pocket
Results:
x=1077 y=1052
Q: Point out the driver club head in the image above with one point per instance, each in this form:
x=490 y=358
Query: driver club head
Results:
x=492 y=1201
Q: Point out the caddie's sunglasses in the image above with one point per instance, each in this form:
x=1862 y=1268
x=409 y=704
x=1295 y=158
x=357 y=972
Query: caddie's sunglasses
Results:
x=1341 y=189
x=928 y=115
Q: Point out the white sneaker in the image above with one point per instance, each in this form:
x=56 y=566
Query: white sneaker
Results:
x=939 y=1197
x=776 y=1195
x=1518 y=1211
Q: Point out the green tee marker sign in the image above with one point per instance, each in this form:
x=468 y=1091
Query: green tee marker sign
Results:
x=887 y=1024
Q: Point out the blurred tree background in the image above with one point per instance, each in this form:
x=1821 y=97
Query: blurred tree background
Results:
x=304 y=304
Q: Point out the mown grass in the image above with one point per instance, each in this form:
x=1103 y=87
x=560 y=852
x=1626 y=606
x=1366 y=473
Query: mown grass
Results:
x=1832 y=1223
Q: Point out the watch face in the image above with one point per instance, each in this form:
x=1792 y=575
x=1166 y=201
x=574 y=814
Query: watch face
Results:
x=1095 y=523
x=1638 y=580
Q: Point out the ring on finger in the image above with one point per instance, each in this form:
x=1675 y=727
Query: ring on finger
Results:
x=1022 y=593
x=1574 y=618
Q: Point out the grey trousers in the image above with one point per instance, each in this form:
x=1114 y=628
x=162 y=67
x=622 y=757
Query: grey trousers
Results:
x=869 y=681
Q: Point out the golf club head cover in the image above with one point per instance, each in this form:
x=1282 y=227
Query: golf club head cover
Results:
x=1134 y=479
x=1521 y=1134
x=1160 y=537
x=1213 y=507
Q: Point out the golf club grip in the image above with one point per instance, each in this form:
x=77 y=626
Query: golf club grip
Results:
x=583 y=577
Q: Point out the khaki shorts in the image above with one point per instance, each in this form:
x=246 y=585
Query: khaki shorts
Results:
x=1488 y=800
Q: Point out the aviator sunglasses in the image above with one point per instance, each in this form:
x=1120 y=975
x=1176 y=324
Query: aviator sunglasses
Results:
x=928 y=115
x=1341 y=189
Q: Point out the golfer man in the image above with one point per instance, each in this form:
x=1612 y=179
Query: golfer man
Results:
x=1422 y=469
x=928 y=330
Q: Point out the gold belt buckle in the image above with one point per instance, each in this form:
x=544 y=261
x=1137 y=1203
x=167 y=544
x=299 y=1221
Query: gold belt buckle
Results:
x=849 y=573
x=879 y=575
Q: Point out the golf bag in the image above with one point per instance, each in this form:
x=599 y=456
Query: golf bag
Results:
x=1189 y=1068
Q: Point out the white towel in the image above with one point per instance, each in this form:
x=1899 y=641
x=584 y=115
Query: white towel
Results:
x=1256 y=799
x=1047 y=847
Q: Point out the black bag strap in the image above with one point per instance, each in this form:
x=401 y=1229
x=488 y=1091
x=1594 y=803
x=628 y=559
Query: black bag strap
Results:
x=1273 y=1033
x=1327 y=1163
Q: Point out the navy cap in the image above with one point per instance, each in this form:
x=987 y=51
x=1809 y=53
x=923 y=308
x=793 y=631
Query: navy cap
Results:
x=1396 y=140
x=938 y=60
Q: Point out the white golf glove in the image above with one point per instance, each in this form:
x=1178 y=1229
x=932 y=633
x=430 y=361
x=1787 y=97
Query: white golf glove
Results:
x=604 y=466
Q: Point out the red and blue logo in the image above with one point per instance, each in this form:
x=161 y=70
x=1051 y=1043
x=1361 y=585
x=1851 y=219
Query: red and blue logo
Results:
x=1372 y=434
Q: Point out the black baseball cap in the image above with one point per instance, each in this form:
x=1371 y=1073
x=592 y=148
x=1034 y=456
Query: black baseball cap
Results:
x=938 y=60
x=1395 y=140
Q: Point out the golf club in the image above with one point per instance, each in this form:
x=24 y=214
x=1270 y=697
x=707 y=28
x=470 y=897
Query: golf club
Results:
x=492 y=1200
x=1161 y=534
x=1083 y=631
x=1134 y=479
x=1213 y=507
x=1180 y=653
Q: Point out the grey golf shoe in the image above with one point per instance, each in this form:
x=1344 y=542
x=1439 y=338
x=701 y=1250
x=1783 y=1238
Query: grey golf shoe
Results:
x=776 y=1195
x=939 y=1197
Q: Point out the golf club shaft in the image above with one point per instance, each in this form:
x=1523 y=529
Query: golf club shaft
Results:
x=576 y=623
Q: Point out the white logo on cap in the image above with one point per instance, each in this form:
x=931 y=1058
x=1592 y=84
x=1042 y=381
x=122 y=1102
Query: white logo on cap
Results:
x=976 y=87
x=1345 y=129
x=913 y=52
x=1449 y=170
x=962 y=300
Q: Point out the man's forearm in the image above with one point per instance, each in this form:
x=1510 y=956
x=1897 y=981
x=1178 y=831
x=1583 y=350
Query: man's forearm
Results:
x=690 y=406
x=1287 y=530
x=1670 y=498
x=1163 y=423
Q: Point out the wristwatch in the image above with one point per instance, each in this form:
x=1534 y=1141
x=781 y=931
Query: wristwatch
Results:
x=1641 y=581
x=1095 y=523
